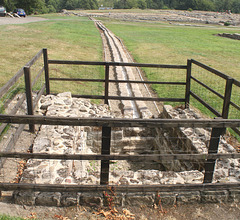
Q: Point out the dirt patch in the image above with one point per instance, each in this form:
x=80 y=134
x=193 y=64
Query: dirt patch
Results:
x=180 y=212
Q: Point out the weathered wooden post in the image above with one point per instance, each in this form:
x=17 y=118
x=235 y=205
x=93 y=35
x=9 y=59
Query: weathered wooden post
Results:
x=46 y=68
x=213 y=149
x=28 y=88
x=106 y=84
x=227 y=97
x=188 y=83
x=106 y=143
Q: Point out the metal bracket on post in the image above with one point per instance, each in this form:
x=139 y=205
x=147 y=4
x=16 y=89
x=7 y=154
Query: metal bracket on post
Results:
x=106 y=142
x=213 y=149
x=188 y=83
x=28 y=87
x=106 y=84
x=46 y=69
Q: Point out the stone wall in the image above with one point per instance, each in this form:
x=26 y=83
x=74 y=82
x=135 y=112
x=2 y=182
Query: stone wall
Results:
x=192 y=141
x=87 y=140
x=232 y=36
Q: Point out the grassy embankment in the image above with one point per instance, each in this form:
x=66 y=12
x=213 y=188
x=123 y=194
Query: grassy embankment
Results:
x=172 y=44
x=66 y=38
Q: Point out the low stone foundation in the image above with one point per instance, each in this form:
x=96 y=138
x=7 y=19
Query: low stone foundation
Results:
x=87 y=140
x=232 y=36
x=125 y=199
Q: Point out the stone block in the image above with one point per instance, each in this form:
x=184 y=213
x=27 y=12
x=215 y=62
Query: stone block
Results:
x=188 y=197
x=48 y=199
x=24 y=197
x=91 y=199
x=214 y=196
x=138 y=200
x=166 y=198
x=234 y=196
x=69 y=199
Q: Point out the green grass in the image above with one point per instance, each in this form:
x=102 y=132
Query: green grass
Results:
x=7 y=217
x=161 y=43
x=74 y=38
x=66 y=38
x=165 y=44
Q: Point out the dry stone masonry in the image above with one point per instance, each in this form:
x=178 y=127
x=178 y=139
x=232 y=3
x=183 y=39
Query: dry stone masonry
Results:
x=87 y=140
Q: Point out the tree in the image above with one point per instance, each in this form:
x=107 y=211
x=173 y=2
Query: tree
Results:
x=31 y=6
x=8 y=4
x=142 y=4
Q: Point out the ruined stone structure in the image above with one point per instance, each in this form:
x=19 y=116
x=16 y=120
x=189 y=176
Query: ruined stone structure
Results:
x=86 y=140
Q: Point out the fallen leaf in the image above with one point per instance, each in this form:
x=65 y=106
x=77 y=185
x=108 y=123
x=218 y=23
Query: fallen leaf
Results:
x=127 y=213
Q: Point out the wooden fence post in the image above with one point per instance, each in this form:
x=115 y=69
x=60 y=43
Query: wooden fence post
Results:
x=227 y=97
x=46 y=68
x=213 y=149
x=106 y=84
x=106 y=143
x=28 y=88
x=188 y=83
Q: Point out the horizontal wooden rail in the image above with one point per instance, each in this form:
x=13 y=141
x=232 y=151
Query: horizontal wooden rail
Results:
x=146 y=99
x=35 y=58
x=13 y=111
x=16 y=77
x=118 y=188
x=127 y=98
x=116 y=64
x=11 y=82
x=76 y=79
x=205 y=104
x=116 y=81
x=155 y=157
x=119 y=122
x=38 y=76
x=210 y=69
x=236 y=82
x=40 y=93
x=207 y=87
x=236 y=130
x=235 y=106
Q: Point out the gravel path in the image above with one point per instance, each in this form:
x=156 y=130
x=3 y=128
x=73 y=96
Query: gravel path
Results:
x=29 y=19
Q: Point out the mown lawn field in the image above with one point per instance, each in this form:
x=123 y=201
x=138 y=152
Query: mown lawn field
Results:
x=76 y=38
x=66 y=38
x=173 y=44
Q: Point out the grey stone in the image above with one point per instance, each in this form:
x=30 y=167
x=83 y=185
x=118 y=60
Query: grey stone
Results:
x=48 y=199
x=234 y=195
x=24 y=197
x=69 y=199
x=83 y=109
x=214 y=196
x=91 y=199
x=188 y=197
x=166 y=198
x=138 y=200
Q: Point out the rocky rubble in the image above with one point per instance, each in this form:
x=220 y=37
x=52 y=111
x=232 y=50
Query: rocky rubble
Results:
x=226 y=170
x=76 y=140
x=199 y=17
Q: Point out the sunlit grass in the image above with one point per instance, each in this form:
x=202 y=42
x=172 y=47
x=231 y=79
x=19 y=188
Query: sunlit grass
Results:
x=68 y=39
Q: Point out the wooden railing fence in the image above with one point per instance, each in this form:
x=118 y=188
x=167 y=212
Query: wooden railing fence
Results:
x=218 y=125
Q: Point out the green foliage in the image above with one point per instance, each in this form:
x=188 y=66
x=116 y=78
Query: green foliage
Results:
x=49 y=6
x=6 y=217
x=226 y=23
